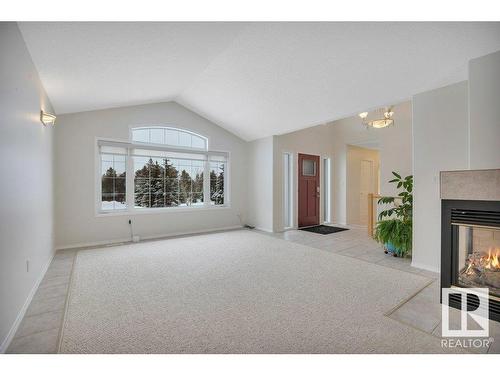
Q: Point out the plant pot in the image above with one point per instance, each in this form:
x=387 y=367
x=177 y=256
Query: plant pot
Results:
x=391 y=249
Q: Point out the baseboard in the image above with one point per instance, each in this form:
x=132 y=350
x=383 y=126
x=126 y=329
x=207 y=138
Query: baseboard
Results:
x=264 y=229
x=13 y=329
x=153 y=237
x=425 y=267
x=357 y=226
x=176 y=234
x=82 y=245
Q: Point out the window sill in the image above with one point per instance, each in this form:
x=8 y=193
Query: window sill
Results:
x=164 y=210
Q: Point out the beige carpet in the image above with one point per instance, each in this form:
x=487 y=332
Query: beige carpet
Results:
x=235 y=292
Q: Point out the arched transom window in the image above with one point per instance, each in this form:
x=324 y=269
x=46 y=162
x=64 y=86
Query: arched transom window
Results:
x=163 y=135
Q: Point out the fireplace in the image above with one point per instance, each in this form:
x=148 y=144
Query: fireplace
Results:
x=470 y=253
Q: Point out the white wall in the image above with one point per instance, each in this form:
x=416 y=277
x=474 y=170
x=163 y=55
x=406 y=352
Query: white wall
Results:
x=331 y=140
x=484 y=94
x=26 y=192
x=355 y=155
x=260 y=183
x=440 y=141
x=75 y=177
x=455 y=127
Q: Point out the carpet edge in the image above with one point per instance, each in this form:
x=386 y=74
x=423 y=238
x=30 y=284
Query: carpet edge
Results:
x=66 y=304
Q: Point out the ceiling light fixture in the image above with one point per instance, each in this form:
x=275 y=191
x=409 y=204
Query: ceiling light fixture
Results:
x=378 y=122
x=47 y=118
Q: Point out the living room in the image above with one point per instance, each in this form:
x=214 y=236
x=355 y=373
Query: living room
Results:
x=250 y=187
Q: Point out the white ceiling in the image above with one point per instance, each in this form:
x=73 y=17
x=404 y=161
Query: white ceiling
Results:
x=254 y=79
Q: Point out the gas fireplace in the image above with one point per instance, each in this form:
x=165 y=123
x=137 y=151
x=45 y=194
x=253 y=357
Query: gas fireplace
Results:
x=470 y=254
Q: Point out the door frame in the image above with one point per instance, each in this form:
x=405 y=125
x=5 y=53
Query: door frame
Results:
x=318 y=187
x=326 y=189
x=363 y=202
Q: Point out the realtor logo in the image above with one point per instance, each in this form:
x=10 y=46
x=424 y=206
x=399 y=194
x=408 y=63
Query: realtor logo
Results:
x=474 y=311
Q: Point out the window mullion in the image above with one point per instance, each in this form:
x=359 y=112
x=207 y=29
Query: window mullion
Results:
x=206 y=183
x=129 y=181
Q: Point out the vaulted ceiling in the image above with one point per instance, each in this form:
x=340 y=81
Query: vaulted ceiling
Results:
x=254 y=79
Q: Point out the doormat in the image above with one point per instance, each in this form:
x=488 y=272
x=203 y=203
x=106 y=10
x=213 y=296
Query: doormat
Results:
x=323 y=229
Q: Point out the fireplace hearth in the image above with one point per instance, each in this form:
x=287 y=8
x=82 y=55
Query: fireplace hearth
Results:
x=470 y=248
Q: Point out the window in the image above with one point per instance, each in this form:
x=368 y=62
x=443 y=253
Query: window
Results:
x=327 y=189
x=167 y=182
x=113 y=180
x=217 y=171
x=287 y=190
x=308 y=167
x=162 y=168
x=161 y=135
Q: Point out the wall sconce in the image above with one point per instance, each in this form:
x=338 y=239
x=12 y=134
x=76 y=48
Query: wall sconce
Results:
x=47 y=118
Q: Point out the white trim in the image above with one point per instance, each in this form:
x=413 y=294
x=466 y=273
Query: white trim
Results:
x=425 y=267
x=344 y=223
x=83 y=245
x=295 y=189
x=264 y=229
x=156 y=147
x=13 y=329
x=227 y=182
x=162 y=210
x=287 y=189
x=327 y=190
x=163 y=126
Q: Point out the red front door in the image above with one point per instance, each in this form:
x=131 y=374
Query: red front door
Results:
x=308 y=190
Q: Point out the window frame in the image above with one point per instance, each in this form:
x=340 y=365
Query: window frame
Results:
x=129 y=183
x=131 y=128
x=327 y=189
x=288 y=191
x=100 y=173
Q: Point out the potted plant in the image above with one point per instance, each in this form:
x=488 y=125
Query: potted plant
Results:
x=394 y=228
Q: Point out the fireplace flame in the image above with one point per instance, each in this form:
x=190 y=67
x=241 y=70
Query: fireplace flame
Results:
x=485 y=262
x=469 y=270
x=492 y=261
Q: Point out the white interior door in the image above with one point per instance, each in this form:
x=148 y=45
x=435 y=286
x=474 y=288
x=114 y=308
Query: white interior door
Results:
x=365 y=187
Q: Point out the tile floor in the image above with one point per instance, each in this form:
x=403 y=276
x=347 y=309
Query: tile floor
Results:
x=39 y=330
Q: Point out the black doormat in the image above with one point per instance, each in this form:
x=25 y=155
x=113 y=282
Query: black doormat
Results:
x=324 y=229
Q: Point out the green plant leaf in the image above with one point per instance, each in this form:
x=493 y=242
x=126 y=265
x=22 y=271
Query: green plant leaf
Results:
x=395 y=224
x=396 y=231
x=385 y=200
